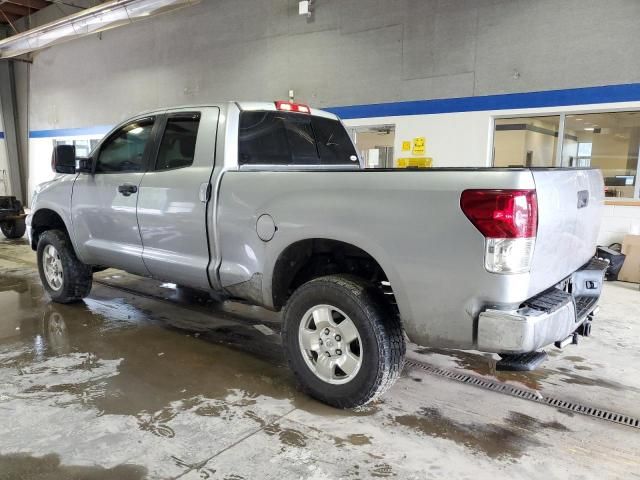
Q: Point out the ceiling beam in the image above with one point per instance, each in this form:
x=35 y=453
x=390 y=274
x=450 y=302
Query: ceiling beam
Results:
x=6 y=18
x=33 y=4
x=15 y=9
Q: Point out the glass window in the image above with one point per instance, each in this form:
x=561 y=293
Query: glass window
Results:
x=280 y=138
x=334 y=144
x=526 y=142
x=263 y=139
x=302 y=141
x=609 y=141
x=178 y=145
x=124 y=150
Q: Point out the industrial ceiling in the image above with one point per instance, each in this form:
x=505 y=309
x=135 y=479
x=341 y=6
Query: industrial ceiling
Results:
x=12 y=10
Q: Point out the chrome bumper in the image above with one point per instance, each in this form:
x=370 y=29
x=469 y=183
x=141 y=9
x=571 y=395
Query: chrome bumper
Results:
x=524 y=330
x=547 y=318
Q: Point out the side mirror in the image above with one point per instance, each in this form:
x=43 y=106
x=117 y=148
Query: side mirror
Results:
x=84 y=165
x=63 y=159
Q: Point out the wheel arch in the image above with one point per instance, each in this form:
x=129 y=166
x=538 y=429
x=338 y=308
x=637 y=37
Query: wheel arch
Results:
x=45 y=219
x=310 y=258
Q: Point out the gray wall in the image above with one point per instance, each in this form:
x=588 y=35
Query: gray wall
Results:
x=351 y=52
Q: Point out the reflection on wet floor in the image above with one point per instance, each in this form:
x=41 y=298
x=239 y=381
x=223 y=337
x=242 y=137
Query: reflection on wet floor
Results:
x=157 y=370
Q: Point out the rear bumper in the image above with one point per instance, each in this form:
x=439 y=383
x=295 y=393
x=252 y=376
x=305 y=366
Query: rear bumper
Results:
x=549 y=317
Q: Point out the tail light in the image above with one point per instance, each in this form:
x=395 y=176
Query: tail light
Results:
x=292 y=107
x=508 y=219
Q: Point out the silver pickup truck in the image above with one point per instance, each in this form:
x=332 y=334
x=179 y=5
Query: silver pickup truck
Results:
x=268 y=203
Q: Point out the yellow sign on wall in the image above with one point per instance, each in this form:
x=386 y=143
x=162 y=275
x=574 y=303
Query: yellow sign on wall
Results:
x=419 y=146
x=406 y=145
x=415 y=162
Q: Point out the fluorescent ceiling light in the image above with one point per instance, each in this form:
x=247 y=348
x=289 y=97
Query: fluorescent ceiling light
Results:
x=92 y=20
x=589 y=129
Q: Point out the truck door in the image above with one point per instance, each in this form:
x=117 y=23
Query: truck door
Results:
x=172 y=204
x=104 y=203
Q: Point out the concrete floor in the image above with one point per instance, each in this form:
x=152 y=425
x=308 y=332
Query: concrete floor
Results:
x=145 y=381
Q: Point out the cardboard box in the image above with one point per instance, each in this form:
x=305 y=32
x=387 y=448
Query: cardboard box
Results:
x=631 y=269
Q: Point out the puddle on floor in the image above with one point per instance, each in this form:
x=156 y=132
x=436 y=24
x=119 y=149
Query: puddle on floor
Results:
x=505 y=442
x=110 y=355
x=485 y=365
x=23 y=466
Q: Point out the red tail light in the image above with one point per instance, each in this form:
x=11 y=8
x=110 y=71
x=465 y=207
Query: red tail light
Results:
x=292 y=107
x=502 y=213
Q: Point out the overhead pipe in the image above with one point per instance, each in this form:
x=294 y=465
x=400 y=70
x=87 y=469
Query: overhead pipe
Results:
x=92 y=20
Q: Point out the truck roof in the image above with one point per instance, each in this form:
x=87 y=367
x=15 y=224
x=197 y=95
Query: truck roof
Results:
x=242 y=105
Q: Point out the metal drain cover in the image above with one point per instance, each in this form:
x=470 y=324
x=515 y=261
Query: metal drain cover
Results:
x=530 y=395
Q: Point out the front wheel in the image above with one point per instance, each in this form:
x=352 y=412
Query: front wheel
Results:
x=65 y=278
x=14 y=229
x=344 y=344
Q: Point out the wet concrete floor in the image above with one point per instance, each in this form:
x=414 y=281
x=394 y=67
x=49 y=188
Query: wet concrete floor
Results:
x=143 y=380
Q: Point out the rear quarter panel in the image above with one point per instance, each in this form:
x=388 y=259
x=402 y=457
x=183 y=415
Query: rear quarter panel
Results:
x=409 y=221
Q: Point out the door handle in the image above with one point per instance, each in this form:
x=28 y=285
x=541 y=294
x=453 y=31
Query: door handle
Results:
x=127 y=189
x=205 y=192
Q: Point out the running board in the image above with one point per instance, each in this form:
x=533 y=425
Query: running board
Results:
x=521 y=362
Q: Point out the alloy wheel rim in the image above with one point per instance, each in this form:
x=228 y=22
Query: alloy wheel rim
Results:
x=330 y=344
x=52 y=265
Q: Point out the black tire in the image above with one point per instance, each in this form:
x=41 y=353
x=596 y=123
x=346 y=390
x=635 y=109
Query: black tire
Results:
x=383 y=345
x=77 y=277
x=14 y=229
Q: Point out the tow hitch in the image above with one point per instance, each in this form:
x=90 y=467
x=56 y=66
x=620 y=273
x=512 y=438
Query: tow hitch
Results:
x=584 y=330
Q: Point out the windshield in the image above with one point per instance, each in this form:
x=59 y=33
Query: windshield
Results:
x=282 y=138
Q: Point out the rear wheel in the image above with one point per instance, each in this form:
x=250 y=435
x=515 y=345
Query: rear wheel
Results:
x=343 y=342
x=65 y=278
x=14 y=229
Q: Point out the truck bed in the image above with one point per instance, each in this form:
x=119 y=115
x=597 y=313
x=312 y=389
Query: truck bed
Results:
x=411 y=222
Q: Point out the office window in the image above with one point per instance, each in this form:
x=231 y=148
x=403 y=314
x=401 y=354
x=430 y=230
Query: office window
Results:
x=526 y=142
x=178 y=145
x=609 y=141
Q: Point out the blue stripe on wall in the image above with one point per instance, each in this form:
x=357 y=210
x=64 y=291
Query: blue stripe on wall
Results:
x=551 y=98
x=1 y=135
x=70 y=132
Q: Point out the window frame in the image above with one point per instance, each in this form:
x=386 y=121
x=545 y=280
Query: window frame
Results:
x=560 y=144
x=162 y=127
x=151 y=141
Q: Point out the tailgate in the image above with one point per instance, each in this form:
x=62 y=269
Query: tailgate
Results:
x=569 y=211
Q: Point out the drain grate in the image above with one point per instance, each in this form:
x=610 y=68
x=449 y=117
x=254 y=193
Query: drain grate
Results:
x=528 y=395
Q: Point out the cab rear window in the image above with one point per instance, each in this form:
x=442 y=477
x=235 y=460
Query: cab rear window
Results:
x=281 y=138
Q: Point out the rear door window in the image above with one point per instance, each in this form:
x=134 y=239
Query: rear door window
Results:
x=178 y=144
x=281 y=138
